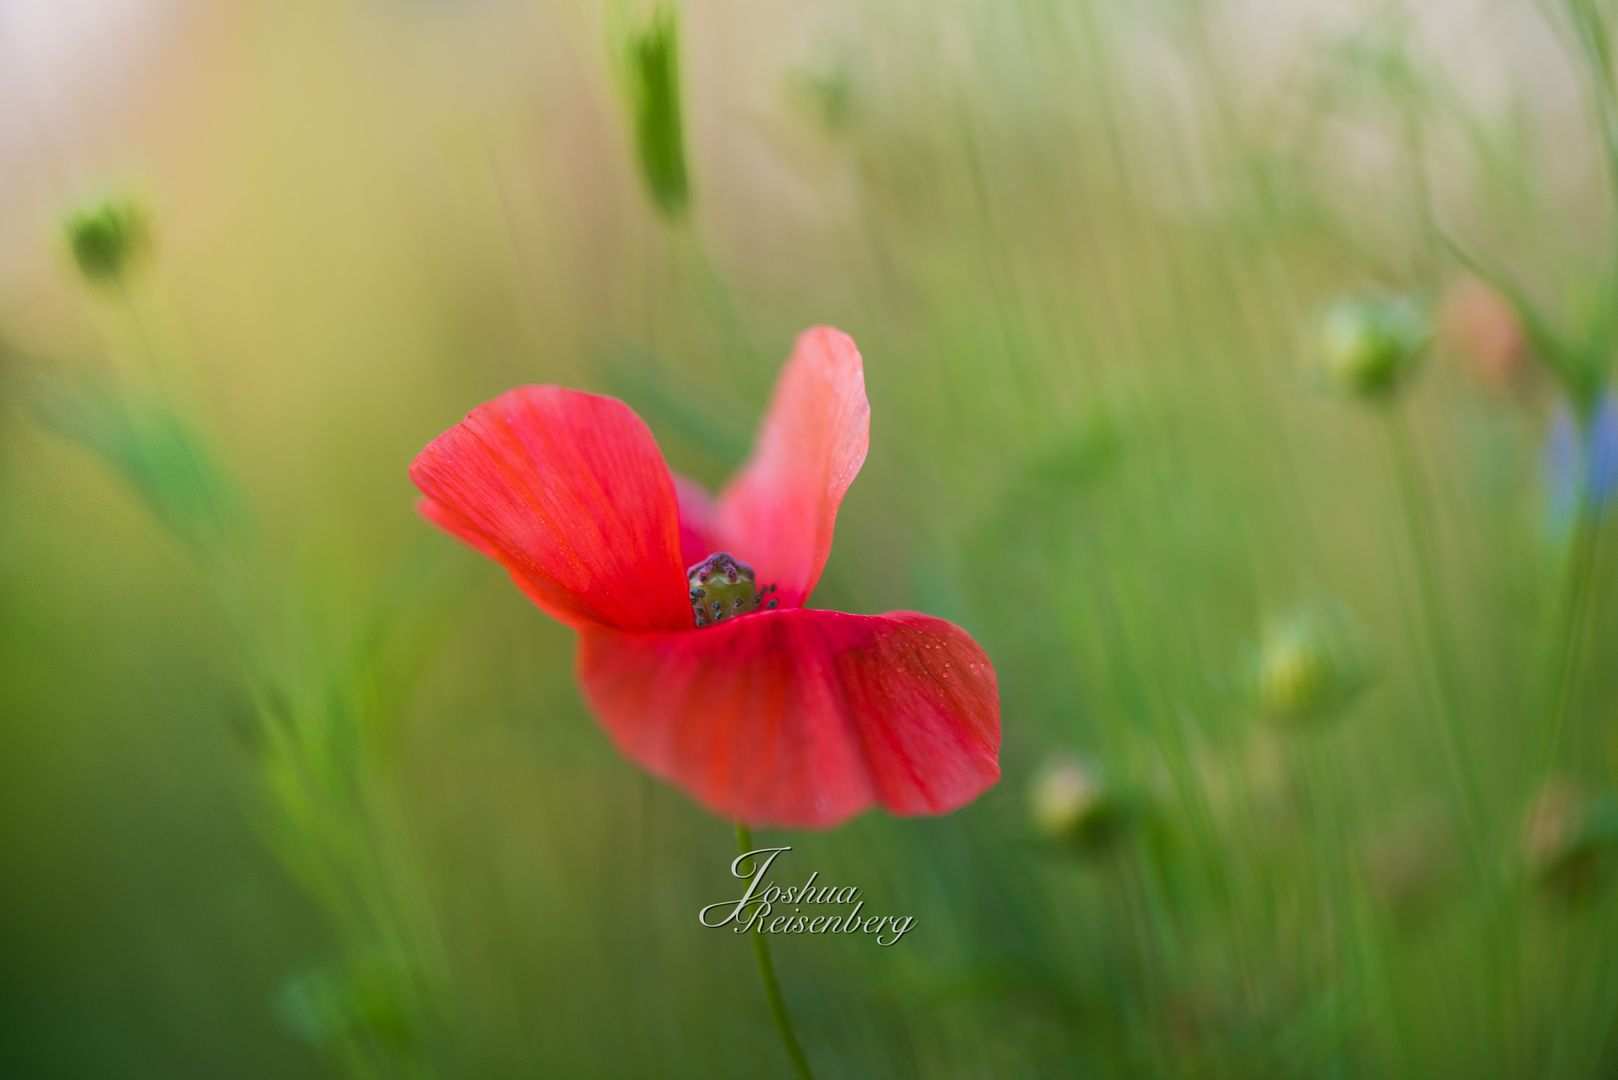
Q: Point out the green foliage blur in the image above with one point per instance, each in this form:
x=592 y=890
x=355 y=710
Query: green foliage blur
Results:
x=1217 y=355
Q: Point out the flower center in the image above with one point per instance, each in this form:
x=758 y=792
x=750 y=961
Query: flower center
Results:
x=723 y=587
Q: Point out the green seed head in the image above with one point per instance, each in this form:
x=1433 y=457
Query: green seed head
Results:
x=106 y=239
x=1311 y=662
x=1068 y=803
x=1368 y=344
x=653 y=73
x=1293 y=675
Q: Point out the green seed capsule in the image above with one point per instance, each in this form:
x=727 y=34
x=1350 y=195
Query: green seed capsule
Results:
x=723 y=587
x=1310 y=663
x=653 y=73
x=106 y=239
x=1069 y=803
x=1369 y=344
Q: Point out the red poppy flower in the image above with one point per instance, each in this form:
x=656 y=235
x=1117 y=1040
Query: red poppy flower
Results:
x=765 y=710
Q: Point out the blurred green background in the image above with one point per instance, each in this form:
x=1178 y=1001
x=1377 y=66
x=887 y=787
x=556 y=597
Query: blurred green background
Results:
x=1308 y=697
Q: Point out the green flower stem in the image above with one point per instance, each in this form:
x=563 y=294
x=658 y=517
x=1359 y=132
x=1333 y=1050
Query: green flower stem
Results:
x=1445 y=681
x=1502 y=988
x=1569 y=645
x=240 y=599
x=1591 y=30
x=772 y=989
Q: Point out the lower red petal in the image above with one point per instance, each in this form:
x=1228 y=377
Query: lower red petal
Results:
x=803 y=718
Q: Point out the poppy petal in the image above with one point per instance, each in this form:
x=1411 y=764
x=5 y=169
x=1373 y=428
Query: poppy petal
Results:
x=698 y=520
x=569 y=492
x=778 y=513
x=803 y=718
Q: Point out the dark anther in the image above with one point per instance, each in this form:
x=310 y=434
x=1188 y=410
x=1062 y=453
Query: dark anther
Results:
x=771 y=605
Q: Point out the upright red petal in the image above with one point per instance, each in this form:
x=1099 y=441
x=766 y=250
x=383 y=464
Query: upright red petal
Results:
x=569 y=492
x=698 y=520
x=778 y=513
x=803 y=718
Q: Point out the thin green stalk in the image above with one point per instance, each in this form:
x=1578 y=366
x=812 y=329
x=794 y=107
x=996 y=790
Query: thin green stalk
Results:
x=331 y=843
x=715 y=294
x=1420 y=186
x=1445 y=684
x=1590 y=28
x=1445 y=678
x=243 y=588
x=1569 y=645
x=772 y=989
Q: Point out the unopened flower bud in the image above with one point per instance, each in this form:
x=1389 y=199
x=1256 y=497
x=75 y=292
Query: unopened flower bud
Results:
x=106 y=239
x=1569 y=837
x=1369 y=343
x=1311 y=662
x=1550 y=822
x=653 y=73
x=1483 y=328
x=1067 y=802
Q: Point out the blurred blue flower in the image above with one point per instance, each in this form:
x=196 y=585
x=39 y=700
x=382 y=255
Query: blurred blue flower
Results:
x=1604 y=451
x=1582 y=461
